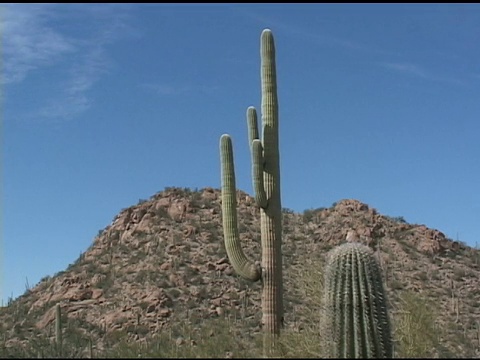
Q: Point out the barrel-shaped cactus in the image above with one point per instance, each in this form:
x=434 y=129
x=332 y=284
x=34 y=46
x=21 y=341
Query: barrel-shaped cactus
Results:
x=266 y=183
x=356 y=323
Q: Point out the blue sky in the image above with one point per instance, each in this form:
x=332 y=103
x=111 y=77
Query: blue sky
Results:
x=104 y=105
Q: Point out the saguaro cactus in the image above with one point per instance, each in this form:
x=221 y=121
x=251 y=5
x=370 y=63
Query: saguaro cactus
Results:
x=266 y=182
x=58 y=329
x=356 y=318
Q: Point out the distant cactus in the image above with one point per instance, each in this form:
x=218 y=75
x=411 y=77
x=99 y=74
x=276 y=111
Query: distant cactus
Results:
x=266 y=182
x=58 y=329
x=355 y=318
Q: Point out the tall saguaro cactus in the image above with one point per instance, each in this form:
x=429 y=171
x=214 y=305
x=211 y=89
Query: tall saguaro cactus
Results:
x=266 y=183
x=356 y=317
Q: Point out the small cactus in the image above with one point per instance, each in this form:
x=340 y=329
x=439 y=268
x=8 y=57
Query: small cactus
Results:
x=58 y=329
x=356 y=317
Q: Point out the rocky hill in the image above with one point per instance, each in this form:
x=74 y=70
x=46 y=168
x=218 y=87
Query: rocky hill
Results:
x=162 y=263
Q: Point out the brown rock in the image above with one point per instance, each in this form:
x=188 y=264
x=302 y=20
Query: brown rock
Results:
x=178 y=210
x=97 y=293
x=97 y=279
x=209 y=194
x=163 y=203
x=164 y=312
x=47 y=318
x=219 y=311
x=138 y=214
x=352 y=236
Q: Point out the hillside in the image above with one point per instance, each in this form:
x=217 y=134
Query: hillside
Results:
x=161 y=267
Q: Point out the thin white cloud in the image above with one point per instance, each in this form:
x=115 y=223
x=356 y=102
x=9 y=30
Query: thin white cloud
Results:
x=406 y=68
x=318 y=38
x=28 y=43
x=32 y=43
x=170 y=90
x=82 y=76
x=353 y=47
x=418 y=71
x=164 y=90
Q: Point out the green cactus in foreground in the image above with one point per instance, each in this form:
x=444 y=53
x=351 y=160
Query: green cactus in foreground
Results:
x=266 y=182
x=356 y=317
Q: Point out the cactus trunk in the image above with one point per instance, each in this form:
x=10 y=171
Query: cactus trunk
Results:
x=266 y=183
x=271 y=214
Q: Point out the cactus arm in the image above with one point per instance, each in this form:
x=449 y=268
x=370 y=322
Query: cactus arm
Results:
x=252 y=125
x=257 y=174
x=242 y=265
x=256 y=149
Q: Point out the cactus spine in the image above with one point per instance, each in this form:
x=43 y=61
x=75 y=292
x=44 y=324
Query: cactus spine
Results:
x=356 y=318
x=266 y=183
